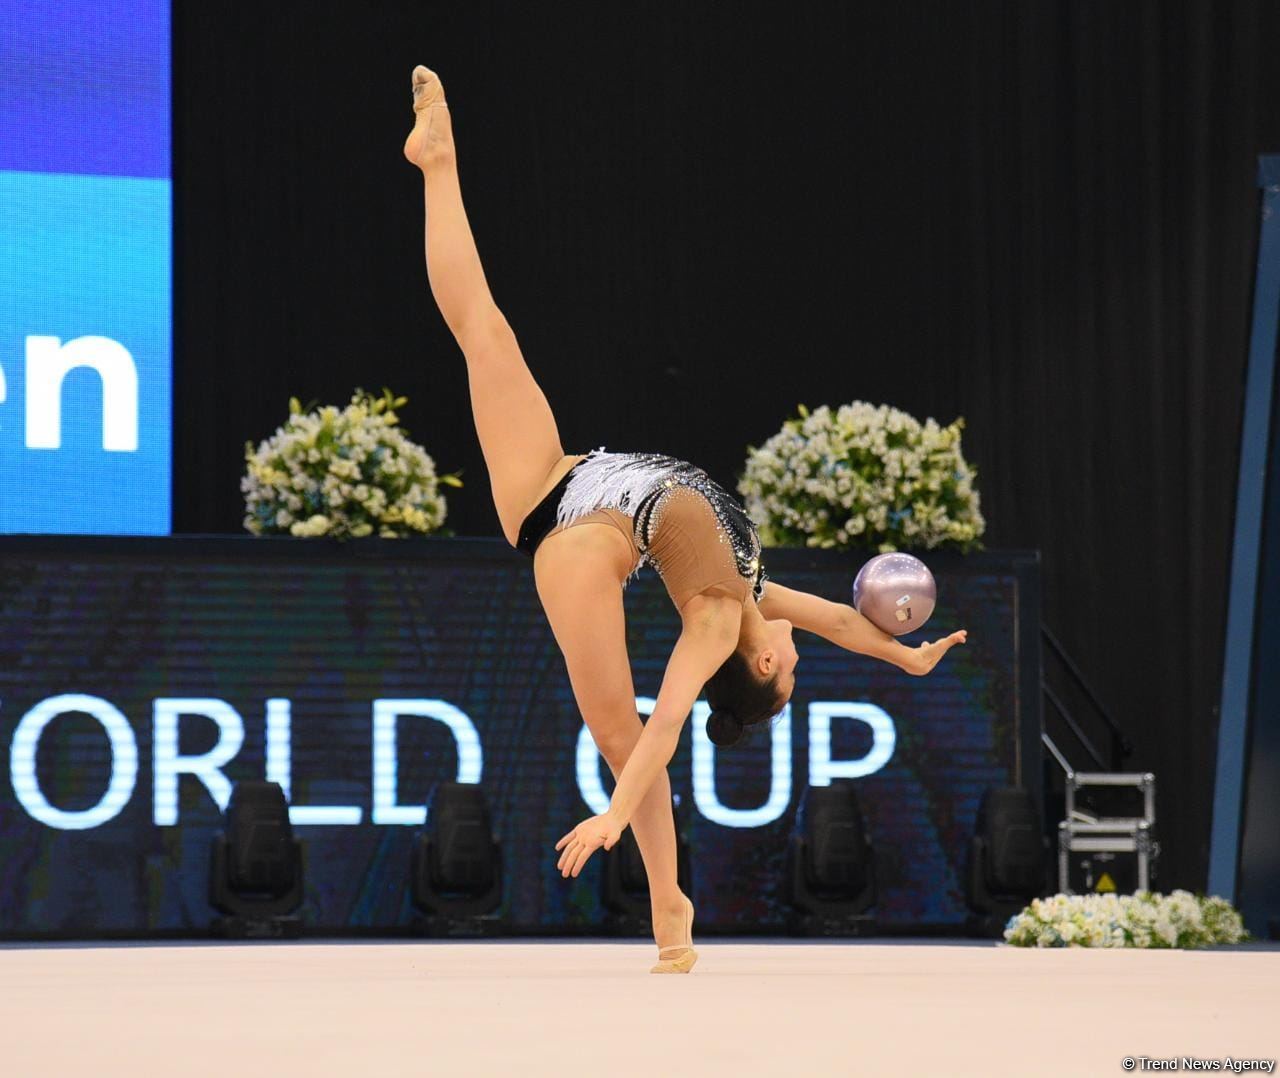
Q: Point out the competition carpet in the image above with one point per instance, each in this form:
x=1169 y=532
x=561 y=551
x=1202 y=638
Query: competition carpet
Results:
x=591 y=1008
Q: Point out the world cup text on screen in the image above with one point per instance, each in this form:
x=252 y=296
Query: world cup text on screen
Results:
x=822 y=768
x=208 y=768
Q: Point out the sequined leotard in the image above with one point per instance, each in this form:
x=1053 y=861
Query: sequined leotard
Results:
x=689 y=528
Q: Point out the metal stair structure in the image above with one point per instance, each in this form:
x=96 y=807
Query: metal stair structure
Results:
x=1084 y=831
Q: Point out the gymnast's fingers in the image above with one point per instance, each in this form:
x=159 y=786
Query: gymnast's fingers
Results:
x=564 y=856
x=566 y=862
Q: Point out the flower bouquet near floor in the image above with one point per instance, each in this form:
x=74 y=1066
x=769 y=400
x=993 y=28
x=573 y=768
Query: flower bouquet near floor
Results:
x=343 y=473
x=1144 y=919
x=861 y=475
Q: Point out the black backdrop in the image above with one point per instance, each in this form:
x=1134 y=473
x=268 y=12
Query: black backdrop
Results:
x=1040 y=216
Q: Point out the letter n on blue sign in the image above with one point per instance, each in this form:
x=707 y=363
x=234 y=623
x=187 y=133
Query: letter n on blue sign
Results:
x=85 y=354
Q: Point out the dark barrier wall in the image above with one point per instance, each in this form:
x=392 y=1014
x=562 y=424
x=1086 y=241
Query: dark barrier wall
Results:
x=139 y=679
x=1038 y=215
x=1259 y=875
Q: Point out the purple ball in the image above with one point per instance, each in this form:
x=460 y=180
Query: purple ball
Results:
x=895 y=592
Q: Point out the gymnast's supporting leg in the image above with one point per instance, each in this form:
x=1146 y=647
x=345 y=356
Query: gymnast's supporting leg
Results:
x=587 y=617
x=517 y=431
x=655 y=832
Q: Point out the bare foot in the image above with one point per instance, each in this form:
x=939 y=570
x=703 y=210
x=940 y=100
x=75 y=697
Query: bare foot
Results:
x=431 y=139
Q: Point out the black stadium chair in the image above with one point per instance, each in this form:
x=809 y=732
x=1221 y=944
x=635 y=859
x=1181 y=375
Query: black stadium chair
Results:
x=456 y=869
x=832 y=864
x=1007 y=858
x=256 y=865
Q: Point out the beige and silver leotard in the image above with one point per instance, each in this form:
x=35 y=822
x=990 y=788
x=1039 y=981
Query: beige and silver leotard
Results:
x=677 y=519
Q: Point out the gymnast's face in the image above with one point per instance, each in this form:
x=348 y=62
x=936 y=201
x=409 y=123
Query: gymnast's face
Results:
x=778 y=634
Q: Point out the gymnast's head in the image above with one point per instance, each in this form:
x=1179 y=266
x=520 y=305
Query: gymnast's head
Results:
x=754 y=683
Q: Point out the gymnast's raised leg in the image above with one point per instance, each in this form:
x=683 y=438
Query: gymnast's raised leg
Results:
x=517 y=431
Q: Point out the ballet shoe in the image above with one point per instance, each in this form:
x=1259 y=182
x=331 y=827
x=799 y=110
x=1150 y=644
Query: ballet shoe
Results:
x=684 y=961
x=431 y=136
x=428 y=90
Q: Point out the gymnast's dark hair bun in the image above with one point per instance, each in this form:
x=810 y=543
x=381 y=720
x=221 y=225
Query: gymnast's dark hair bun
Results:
x=739 y=697
x=724 y=727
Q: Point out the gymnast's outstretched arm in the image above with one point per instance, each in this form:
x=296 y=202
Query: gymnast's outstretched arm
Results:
x=708 y=636
x=844 y=626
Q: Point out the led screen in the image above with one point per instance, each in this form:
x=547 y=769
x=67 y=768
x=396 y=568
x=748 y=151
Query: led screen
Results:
x=85 y=279
x=140 y=678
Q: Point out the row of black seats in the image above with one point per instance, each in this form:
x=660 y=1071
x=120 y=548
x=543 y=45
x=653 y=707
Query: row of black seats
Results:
x=457 y=863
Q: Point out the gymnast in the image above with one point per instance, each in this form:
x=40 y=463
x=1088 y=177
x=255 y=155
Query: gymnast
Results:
x=589 y=522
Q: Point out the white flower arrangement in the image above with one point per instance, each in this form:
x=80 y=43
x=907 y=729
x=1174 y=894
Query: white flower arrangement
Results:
x=1144 y=919
x=863 y=475
x=343 y=473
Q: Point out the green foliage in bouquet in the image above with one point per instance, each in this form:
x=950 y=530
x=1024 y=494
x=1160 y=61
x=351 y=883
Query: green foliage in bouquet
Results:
x=1145 y=919
x=343 y=473
x=863 y=476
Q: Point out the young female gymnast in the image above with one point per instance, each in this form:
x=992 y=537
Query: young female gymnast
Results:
x=589 y=522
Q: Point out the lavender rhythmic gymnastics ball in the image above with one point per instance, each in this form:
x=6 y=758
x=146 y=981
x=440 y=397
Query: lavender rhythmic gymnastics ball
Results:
x=895 y=592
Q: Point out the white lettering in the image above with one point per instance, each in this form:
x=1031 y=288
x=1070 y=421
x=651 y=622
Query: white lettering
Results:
x=385 y=714
x=822 y=769
x=704 y=774
x=124 y=762
x=207 y=767
x=587 y=762
x=49 y=361
x=587 y=766
x=280 y=769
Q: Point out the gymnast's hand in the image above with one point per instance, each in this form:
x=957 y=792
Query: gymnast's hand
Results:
x=924 y=658
x=580 y=843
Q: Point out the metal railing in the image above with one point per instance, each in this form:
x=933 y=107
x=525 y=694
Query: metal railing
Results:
x=1118 y=746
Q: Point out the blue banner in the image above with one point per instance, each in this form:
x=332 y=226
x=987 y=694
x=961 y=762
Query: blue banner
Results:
x=85 y=269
